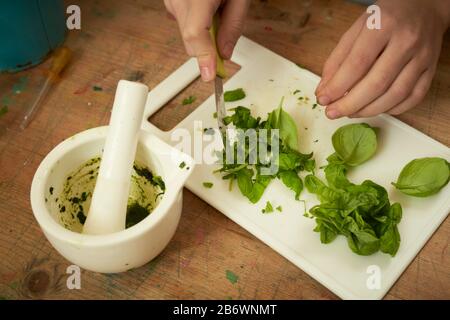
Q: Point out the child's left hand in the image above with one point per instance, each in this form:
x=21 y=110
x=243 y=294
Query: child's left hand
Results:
x=386 y=70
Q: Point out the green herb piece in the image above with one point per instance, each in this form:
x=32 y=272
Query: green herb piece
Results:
x=4 y=110
x=135 y=214
x=158 y=181
x=51 y=190
x=182 y=165
x=390 y=239
x=208 y=185
x=362 y=213
x=147 y=174
x=289 y=161
x=279 y=208
x=280 y=119
x=97 y=88
x=234 y=95
x=268 y=208
x=209 y=131
x=253 y=190
x=189 y=100
x=355 y=143
x=314 y=106
x=292 y=181
x=296 y=91
x=215 y=115
x=242 y=119
x=81 y=217
x=423 y=177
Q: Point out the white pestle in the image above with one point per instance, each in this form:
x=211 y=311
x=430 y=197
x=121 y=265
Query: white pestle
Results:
x=107 y=213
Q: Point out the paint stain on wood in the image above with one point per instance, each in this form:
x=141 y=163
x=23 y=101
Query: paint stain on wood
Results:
x=3 y=110
x=231 y=276
x=137 y=76
x=21 y=85
x=84 y=88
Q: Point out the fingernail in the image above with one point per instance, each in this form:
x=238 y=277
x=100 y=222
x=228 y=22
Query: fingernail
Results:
x=333 y=113
x=324 y=100
x=227 y=50
x=206 y=74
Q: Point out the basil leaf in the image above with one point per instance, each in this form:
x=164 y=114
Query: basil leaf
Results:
x=327 y=235
x=234 y=95
x=259 y=187
x=242 y=119
x=390 y=239
x=355 y=143
x=361 y=239
x=268 y=208
x=314 y=184
x=335 y=175
x=244 y=180
x=423 y=177
x=292 y=181
x=289 y=160
x=280 y=119
x=362 y=213
x=208 y=185
x=189 y=100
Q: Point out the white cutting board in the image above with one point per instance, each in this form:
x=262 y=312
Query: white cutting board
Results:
x=290 y=233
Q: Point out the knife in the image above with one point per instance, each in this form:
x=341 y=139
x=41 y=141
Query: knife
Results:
x=218 y=82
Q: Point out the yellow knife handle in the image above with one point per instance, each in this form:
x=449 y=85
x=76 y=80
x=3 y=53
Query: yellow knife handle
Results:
x=220 y=67
x=61 y=58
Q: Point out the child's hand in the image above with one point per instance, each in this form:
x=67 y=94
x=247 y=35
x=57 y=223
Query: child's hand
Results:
x=194 y=18
x=387 y=70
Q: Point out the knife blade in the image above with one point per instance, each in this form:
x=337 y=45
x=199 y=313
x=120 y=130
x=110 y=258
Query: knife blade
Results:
x=220 y=106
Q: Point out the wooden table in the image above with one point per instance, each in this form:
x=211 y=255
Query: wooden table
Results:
x=137 y=40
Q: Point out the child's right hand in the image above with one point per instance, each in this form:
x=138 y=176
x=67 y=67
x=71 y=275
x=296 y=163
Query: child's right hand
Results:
x=194 y=18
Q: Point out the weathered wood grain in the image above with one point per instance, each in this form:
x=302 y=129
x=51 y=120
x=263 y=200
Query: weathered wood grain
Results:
x=136 y=40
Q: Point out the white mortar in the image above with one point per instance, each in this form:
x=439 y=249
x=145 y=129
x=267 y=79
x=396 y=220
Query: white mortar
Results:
x=127 y=249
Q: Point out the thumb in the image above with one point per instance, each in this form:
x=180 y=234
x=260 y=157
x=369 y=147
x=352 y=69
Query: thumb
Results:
x=231 y=25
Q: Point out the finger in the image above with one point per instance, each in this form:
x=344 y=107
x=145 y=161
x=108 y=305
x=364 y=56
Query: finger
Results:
x=399 y=91
x=365 y=51
x=418 y=94
x=383 y=73
x=194 y=26
x=339 y=53
x=169 y=6
x=231 y=25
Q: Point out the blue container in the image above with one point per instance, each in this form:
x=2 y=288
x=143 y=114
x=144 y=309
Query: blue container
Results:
x=29 y=30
